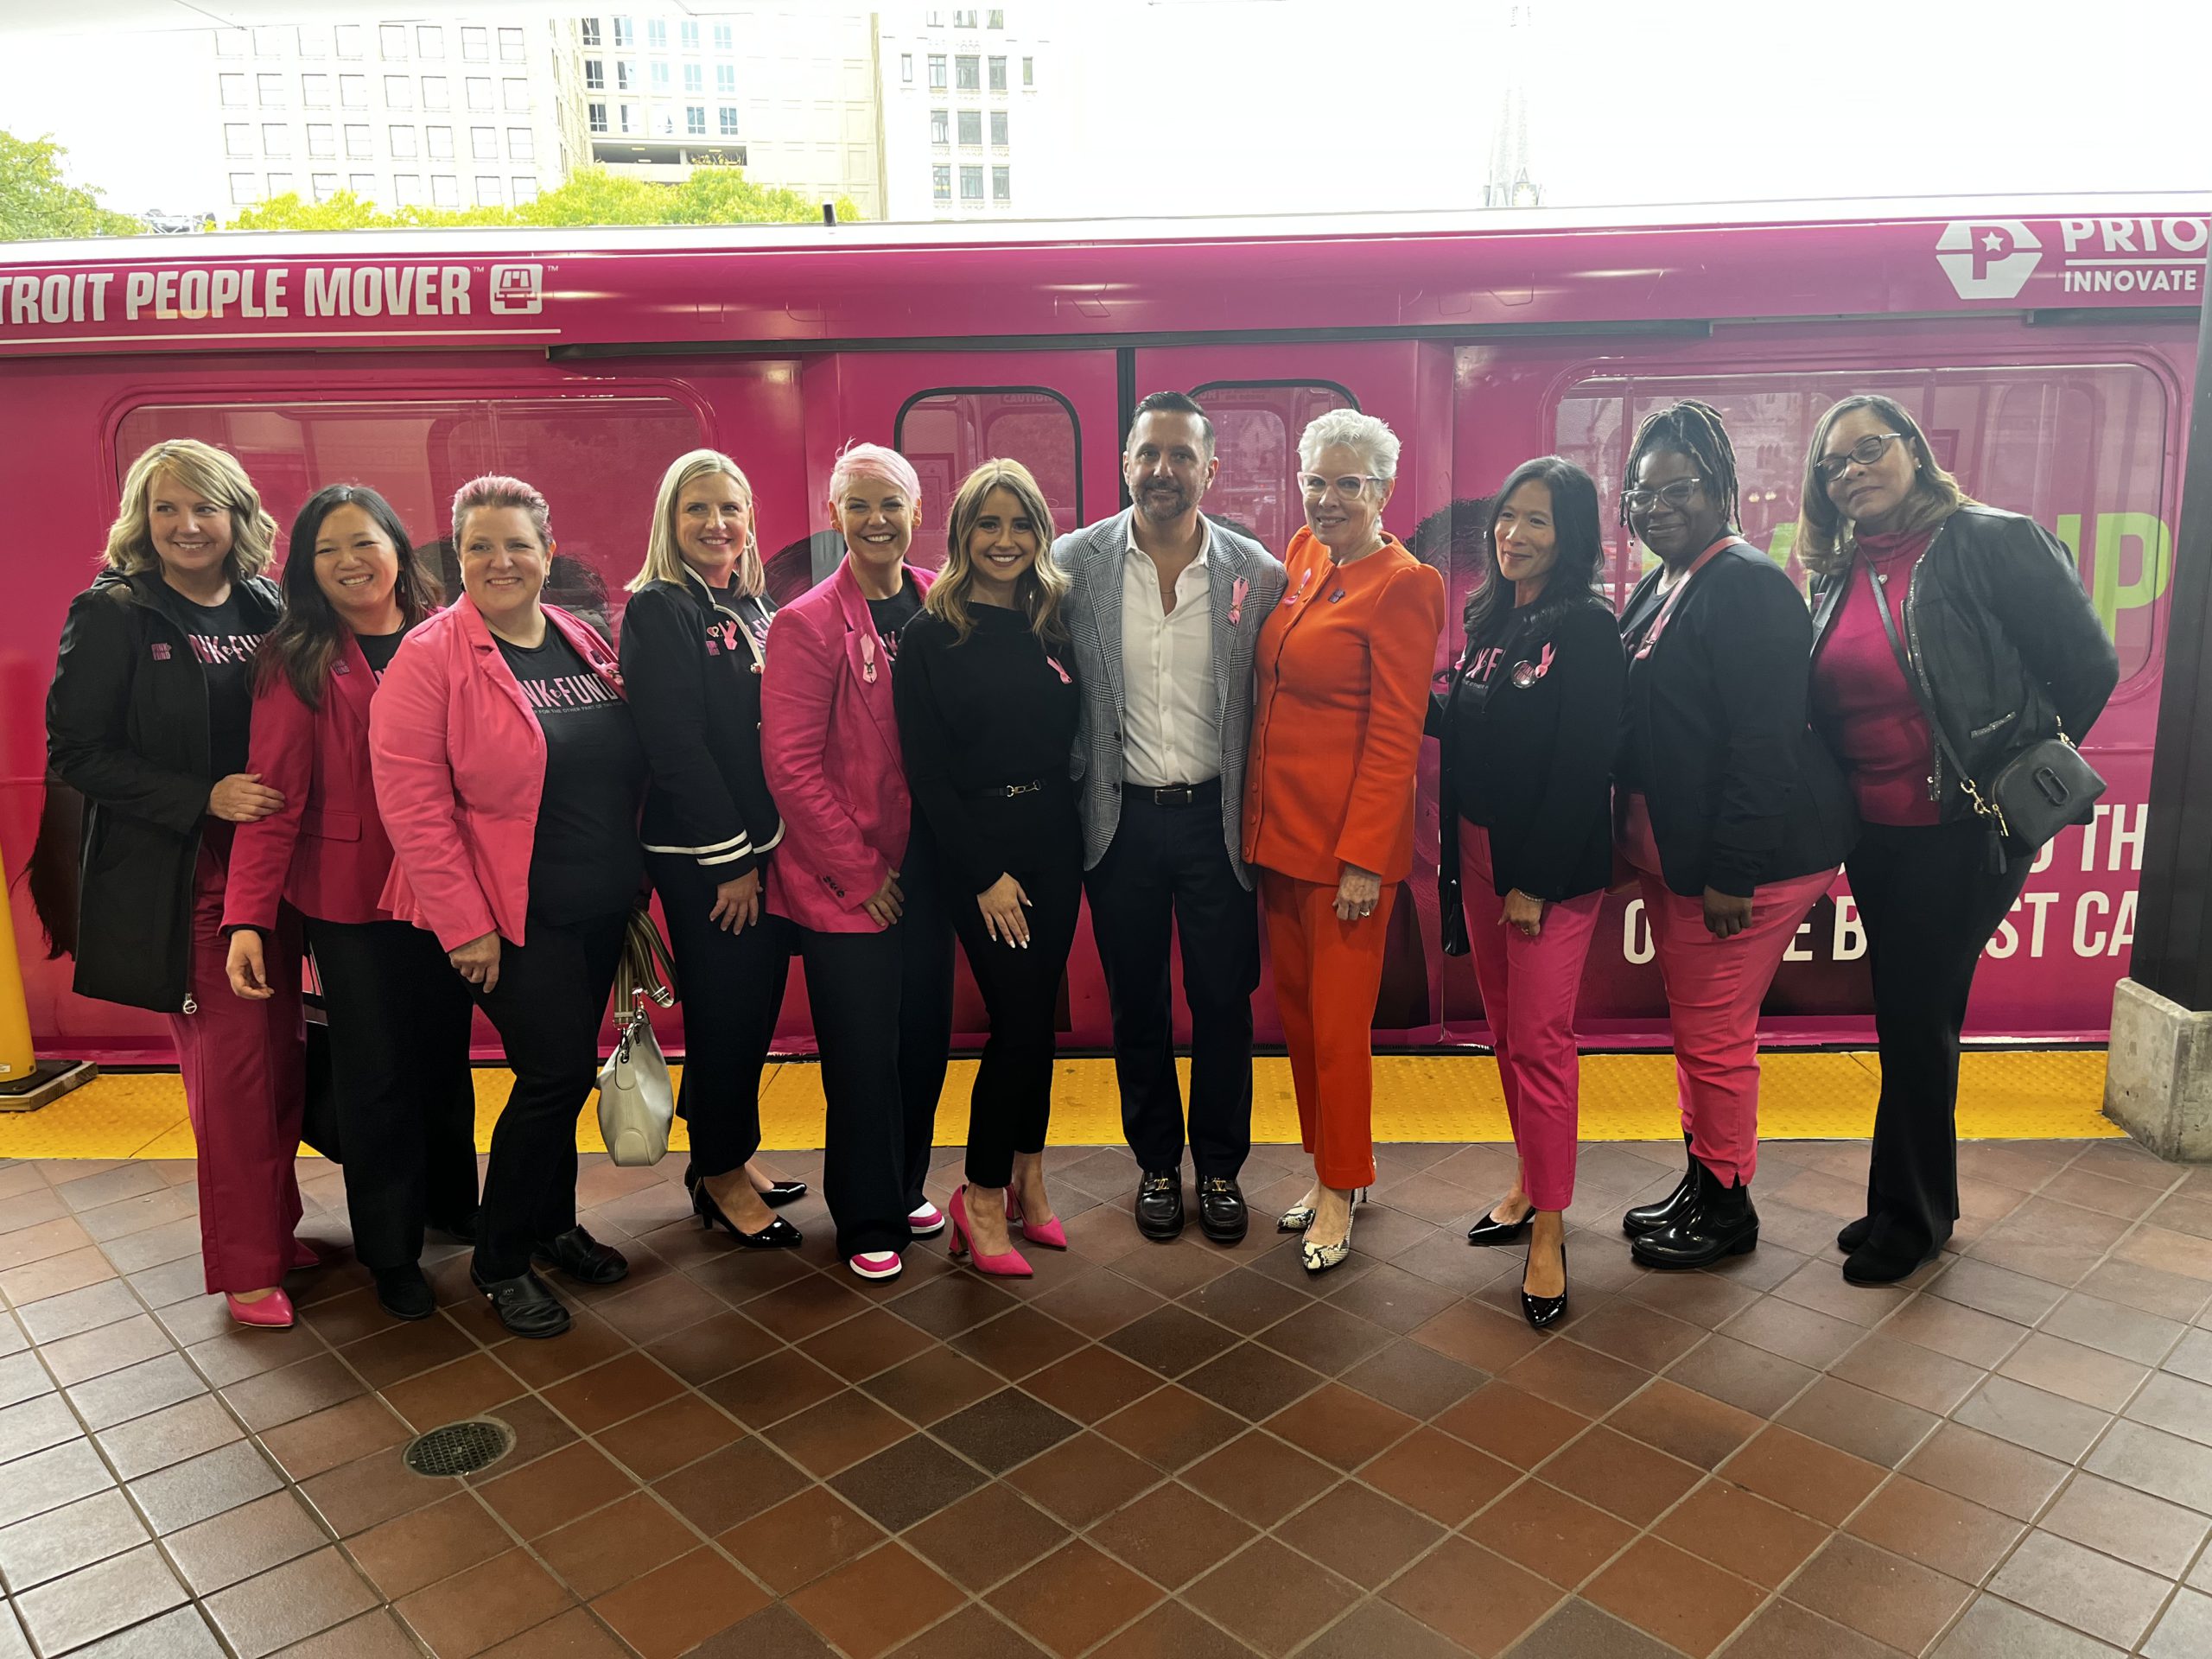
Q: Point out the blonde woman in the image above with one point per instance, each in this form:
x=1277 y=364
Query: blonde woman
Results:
x=693 y=642
x=987 y=712
x=148 y=719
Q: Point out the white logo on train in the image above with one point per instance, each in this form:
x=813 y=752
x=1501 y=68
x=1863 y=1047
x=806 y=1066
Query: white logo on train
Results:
x=517 y=290
x=1988 y=258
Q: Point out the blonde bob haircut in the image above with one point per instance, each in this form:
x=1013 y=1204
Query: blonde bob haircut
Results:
x=212 y=475
x=1824 y=535
x=664 y=560
x=1037 y=591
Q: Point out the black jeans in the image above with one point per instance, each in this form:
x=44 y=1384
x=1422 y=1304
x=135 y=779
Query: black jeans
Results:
x=882 y=1008
x=733 y=989
x=399 y=1018
x=1168 y=866
x=1929 y=905
x=550 y=1008
x=1011 y=1105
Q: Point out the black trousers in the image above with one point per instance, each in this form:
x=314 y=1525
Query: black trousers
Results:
x=1929 y=905
x=733 y=989
x=882 y=1009
x=550 y=1008
x=1167 y=865
x=399 y=1018
x=1011 y=1105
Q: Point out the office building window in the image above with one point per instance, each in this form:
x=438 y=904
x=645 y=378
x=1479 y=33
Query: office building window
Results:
x=276 y=139
x=940 y=184
x=659 y=77
x=521 y=146
x=657 y=33
x=591 y=31
x=269 y=42
x=353 y=92
x=358 y=148
x=322 y=139
x=399 y=92
x=314 y=91
x=363 y=185
x=998 y=74
x=476 y=44
x=244 y=190
x=1001 y=184
x=726 y=79
x=695 y=120
x=231 y=43
x=968 y=73
x=314 y=42
x=408 y=188
x=440 y=143
x=728 y=121
x=594 y=75
x=963 y=19
x=994 y=20
x=625 y=32
x=326 y=186
x=998 y=129
x=971 y=184
x=632 y=121
x=269 y=92
x=403 y=142
x=687 y=35
x=280 y=184
x=484 y=143
x=511 y=46
x=725 y=38
x=940 y=126
x=937 y=71
x=514 y=95
x=391 y=40
x=445 y=190
x=237 y=139
x=488 y=191
x=233 y=87
x=625 y=76
x=906 y=68
x=936 y=17
x=1029 y=71
x=597 y=114
x=429 y=40
x=348 y=37
x=479 y=93
x=525 y=191
x=437 y=92
x=971 y=128
x=695 y=79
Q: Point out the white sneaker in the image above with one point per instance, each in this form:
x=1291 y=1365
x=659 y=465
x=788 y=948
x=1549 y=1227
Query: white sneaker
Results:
x=877 y=1264
x=926 y=1220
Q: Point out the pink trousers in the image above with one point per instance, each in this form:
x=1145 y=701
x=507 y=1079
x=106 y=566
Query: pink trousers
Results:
x=1528 y=989
x=244 y=1070
x=1713 y=990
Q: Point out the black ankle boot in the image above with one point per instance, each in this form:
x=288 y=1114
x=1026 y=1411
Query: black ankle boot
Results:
x=1718 y=1221
x=1650 y=1218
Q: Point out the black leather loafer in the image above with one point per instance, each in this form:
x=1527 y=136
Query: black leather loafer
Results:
x=524 y=1305
x=1159 y=1204
x=582 y=1257
x=404 y=1293
x=1221 y=1209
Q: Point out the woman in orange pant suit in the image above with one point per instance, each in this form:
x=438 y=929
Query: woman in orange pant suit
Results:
x=1344 y=668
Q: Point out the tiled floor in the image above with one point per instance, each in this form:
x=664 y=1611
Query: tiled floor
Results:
x=1146 y=1451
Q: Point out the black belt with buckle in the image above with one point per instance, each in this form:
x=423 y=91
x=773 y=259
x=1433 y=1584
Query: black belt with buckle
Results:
x=1205 y=794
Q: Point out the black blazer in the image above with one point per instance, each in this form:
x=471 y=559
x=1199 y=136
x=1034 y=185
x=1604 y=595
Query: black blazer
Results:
x=1536 y=764
x=689 y=669
x=127 y=728
x=1714 y=733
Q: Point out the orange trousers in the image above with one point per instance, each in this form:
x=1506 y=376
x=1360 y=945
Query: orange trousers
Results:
x=1327 y=975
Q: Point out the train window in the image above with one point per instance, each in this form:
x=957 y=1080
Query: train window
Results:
x=949 y=431
x=2081 y=448
x=598 y=463
x=1255 y=428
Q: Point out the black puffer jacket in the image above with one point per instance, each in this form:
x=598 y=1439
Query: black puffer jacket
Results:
x=2005 y=644
x=126 y=727
x=690 y=669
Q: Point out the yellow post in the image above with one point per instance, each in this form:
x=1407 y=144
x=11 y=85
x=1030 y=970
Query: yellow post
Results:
x=25 y=1084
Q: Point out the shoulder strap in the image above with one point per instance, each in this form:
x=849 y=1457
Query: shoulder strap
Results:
x=1911 y=679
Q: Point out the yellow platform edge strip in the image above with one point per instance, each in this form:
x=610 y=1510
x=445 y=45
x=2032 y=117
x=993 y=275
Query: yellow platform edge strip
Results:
x=2013 y=1095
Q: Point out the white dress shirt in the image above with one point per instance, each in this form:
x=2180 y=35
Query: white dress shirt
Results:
x=1170 y=729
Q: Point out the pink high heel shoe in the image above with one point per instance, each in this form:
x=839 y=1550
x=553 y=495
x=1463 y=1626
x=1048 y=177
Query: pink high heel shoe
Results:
x=1007 y=1266
x=1050 y=1234
x=272 y=1313
x=304 y=1255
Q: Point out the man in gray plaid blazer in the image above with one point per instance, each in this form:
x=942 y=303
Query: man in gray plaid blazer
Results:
x=1165 y=608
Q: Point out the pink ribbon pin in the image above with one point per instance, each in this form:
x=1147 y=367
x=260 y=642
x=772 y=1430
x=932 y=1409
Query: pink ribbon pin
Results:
x=1236 y=591
x=1054 y=663
x=868 y=658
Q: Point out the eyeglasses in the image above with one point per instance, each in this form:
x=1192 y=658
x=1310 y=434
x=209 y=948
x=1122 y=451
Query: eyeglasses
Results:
x=1676 y=493
x=1866 y=452
x=1347 y=488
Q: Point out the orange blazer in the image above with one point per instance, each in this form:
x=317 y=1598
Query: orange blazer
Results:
x=1344 y=668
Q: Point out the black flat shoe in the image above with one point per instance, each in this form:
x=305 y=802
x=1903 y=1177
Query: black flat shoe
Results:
x=1222 y=1215
x=780 y=1193
x=404 y=1293
x=1719 y=1222
x=1544 y=1311
x=524 y=1305
x=1870 y=1266
x=1855 y=1234
x=777 y=1235
x=582 y=1257
x=1159 y=1204
x=1491 y=1230
x=1650 y=1218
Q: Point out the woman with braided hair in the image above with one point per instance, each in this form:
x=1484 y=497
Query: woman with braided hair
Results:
x=1733 y=815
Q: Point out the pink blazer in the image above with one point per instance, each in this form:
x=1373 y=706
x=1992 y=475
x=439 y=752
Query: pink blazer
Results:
x=325 y=848
x=830 y=745
x=460 y=767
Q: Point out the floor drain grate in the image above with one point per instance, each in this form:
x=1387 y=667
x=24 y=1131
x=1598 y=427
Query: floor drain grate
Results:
x=459 y=1448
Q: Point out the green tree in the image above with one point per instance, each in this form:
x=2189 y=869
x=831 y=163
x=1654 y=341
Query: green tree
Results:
x=36 y=201
x=712 y=195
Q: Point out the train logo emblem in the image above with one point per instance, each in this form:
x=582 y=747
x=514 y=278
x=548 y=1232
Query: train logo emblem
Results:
x=517 y=290
x=1988 y=258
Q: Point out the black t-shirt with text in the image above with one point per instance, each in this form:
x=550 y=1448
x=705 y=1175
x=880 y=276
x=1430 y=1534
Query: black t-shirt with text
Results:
x=891 y=616
x=380 y=649
x=585 y=861
x=216 y=635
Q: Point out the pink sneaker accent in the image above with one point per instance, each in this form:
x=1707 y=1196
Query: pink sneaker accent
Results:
x=272 y=1313
x=1009 y=1265
x=304 y=1255
x=926 y=1220
x=876 y=1264
x=1050 y=1234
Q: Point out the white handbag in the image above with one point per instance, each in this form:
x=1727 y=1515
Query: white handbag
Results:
x=637 y=1101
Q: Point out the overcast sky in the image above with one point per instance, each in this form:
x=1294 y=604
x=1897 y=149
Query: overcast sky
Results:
x=1207 y=106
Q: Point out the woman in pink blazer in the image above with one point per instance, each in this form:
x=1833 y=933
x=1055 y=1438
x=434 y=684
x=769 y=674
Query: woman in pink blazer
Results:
x=856 y=870
x=399 y=1015
x=509 y=774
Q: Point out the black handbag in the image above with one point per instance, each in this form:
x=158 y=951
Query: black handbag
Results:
x=2040 y=789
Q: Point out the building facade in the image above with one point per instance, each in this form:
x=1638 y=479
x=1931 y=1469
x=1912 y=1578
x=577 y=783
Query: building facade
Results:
x=437 y=111
x=972 y=127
